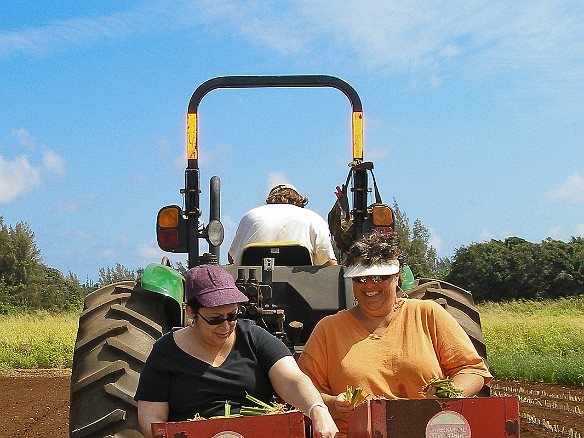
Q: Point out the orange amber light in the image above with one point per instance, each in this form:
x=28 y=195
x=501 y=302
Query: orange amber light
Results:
x=382 y=216
x=168 y=217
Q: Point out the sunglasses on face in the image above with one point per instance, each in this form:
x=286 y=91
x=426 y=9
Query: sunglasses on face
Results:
x=373 y=278
x=216 y=320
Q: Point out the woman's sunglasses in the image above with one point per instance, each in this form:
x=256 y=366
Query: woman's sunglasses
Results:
x=216 y=320
x=374 y=278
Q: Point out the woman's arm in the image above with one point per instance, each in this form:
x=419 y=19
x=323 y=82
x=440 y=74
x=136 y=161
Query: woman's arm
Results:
x=469 y=383
x=297 y=389
x=151 y=412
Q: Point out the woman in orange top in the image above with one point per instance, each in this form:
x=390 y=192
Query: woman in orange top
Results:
x=389 y=346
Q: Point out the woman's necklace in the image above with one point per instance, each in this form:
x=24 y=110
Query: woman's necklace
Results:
x=375 y=326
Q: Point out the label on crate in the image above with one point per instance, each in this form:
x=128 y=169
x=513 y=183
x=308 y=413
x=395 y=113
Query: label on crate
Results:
x=448 y=424
x=228 y=434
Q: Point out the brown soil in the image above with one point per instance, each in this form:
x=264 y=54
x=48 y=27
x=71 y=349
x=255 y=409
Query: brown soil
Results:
x=36 y=404
x=546 y=410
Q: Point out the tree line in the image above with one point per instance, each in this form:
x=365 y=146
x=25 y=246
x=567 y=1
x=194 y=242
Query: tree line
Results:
x=517 y=269
x=25 y=282
x=498 y=270
x=491 y=271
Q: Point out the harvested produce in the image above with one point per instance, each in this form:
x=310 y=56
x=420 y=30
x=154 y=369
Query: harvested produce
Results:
x=353 y=396
x=444 y=388
x=263 y=408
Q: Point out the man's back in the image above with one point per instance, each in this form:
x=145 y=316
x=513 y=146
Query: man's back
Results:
x=284 y=223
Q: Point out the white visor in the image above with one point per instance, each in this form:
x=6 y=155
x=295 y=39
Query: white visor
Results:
x=389 y=268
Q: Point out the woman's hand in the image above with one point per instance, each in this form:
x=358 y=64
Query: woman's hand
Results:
x=339 y=406
x=323 y=425
x=297 y=389
x=430 y=392
x=460 y=385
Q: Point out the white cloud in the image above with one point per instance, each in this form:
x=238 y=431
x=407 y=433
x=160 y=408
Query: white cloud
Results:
x=493 y=37
x=377 y=153
x=571 y=191
x=17 y=177
x=23 y=137
x=580 y=230
x=73 y=234
x=107 y=253
x=150 y=252
x=278 y=33
x=486 y=235
x=275 y=178
x=555 y=232
x=53 y=163
x=150 y=17
x=68 y=206
x=435 y=240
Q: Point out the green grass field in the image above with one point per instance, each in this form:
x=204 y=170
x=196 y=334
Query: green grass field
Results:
x=37 y=340
x=538 y=341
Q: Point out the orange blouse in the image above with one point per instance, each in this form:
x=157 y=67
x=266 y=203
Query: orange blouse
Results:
x=423 y=341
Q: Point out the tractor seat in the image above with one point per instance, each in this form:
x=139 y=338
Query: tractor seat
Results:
x=283 y=253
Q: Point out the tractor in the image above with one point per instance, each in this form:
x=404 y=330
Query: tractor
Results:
x=287 y=295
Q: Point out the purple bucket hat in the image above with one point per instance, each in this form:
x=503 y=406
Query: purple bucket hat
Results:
x=212 y=286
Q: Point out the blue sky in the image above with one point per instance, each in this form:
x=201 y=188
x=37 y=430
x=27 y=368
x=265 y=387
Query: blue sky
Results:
x=474 y=115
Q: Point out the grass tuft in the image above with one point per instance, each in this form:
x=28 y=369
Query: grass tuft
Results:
x=37 y=340
x=536 y=340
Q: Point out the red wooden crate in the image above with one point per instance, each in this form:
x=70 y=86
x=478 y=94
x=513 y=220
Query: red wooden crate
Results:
x=480 y=417
x=290 y=425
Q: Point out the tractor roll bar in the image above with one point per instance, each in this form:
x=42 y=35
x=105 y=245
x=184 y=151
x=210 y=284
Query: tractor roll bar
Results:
x=274 y=81
x=192 y=183
x=299 y=81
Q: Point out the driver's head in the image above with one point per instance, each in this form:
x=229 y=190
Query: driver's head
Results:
x=286 y=194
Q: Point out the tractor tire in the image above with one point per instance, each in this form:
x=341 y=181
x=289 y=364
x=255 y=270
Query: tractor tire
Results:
x=117 y=329
x=458 y=302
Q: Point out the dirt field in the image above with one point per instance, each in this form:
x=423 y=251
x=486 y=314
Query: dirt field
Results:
x=36 y=404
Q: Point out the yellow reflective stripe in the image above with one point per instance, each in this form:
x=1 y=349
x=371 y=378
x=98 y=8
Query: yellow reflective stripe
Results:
x=192 y=136
x=357 y=135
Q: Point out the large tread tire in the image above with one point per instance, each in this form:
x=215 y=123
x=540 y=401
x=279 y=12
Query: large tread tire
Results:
x=117 y=329
x=458 y=302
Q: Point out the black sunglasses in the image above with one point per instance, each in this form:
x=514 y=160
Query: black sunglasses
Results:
x=216 y=320
x=374 y=278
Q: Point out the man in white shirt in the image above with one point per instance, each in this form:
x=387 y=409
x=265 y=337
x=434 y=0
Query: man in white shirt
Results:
x=284 y=219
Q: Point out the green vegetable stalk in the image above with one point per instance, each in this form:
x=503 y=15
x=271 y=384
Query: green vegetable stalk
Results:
x=353 y=396
x=444 y=388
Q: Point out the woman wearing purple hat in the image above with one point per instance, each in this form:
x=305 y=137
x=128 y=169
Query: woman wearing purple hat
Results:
x=216 y=358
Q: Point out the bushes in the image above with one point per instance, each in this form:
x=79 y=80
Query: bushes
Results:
x=515 y=268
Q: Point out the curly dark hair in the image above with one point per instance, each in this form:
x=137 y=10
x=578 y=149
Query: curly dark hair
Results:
x=286 y=195
x=375 y=248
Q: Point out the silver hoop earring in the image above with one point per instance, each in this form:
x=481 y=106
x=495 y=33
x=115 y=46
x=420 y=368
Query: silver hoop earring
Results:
x=190 y=321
